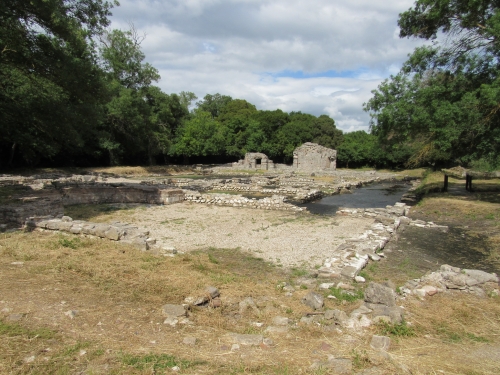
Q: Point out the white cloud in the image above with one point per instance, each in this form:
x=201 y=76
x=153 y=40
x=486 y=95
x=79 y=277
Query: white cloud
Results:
x=242 y=47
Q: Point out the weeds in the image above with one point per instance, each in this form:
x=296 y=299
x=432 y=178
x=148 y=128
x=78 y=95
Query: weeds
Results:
x=299 y=272
x=156 y=362
x=73 y=243
x=343 y=295
x=360 y=360
x=396 y=329
x=13 y=330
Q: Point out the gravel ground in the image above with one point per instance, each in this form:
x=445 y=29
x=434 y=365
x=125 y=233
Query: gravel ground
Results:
x=289 y=239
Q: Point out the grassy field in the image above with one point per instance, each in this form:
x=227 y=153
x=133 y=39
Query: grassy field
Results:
x=117 y=293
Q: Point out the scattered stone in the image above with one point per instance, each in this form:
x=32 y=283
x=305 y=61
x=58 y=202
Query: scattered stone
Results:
x=350 y=271
x=15 y=317
x=215 y=303
x=276 y=329
x=380 y=294
x=360 y=279
x=190 y=341
x=213 y=292
x=325 y=286
x=30 y=359
x=380 y=342
x=171 y=321
x=268 y=341
x=246 y=339
x=235 y=347
x=248 y=303
x=313 y=300
x=281 y=321
x=71 y=313
x=481 y=276
x=338 y=316
x=174 y=311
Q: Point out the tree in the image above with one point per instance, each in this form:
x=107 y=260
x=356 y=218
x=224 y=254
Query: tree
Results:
x=200 y=135
x=141 y=119
x=123 y=59
x=213 y=104
x=51 y=88
x=444 y=103
x=469 y=25
x=186 y=98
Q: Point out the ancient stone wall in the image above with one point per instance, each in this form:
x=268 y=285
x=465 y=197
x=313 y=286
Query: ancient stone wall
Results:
x=255 y=160
x=51 y=199
x=100 y=194
x=311 y=156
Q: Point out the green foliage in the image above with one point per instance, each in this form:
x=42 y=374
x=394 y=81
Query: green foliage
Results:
x=443 y=105
x=396 y=329
x=157 y=362
x=13 y=330
x=73 y=243
x=344 y=295
x=51 y=89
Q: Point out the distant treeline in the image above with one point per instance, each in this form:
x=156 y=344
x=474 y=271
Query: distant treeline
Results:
x=74 y=93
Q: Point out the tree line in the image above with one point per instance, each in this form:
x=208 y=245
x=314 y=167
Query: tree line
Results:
x=75 y=93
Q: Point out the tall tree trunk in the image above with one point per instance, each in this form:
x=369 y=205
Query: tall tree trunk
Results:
x=12 y=152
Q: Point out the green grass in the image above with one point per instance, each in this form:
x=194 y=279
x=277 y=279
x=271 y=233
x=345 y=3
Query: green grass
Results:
x=73 y=243
x=458 y=336
x=13 y=330
x=397 y=329
x=157 y=363
x=299 y=272
x=343 y=295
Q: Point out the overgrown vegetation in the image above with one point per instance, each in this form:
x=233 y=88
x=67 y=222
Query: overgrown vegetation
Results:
x=442 y=107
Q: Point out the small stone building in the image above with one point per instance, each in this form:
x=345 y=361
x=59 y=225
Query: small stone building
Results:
x=311 y=156
x=255 y=160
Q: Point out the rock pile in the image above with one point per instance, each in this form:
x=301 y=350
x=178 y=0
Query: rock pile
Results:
x=355 y=253
x=449 y=279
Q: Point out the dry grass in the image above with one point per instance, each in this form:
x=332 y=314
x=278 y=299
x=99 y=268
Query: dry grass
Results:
x=118 y=292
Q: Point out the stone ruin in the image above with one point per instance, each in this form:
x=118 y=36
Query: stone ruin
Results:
x=255 y=160
x=311 y=156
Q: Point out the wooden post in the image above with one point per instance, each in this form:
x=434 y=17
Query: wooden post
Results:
x=445 y=188
x=468 y=183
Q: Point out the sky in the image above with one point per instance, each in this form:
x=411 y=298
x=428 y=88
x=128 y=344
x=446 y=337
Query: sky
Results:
x=315 y=56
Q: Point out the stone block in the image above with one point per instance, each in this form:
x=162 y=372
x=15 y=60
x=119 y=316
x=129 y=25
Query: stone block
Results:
x=246 y=339
x=380 y=342
x=380 y=294
x=350 y=271
x=313 y=300
x=174 y=311
x=114 y=233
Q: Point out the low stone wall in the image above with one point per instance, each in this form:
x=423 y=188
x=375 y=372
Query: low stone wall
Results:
x=124 y=193
x=276 y=202
x=16 y=212
x=48 y=197
x=116 y=231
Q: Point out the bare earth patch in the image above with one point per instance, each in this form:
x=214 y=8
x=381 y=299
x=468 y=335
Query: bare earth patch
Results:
x=286 y=238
